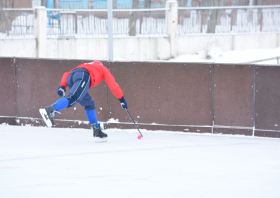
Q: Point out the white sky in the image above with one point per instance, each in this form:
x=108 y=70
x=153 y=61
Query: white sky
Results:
x=43 y=162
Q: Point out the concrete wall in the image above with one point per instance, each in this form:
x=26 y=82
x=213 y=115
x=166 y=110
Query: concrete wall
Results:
x=124 y=48
x=18 y=47
x=193 y=43
x=136 y=48
x=256 y=41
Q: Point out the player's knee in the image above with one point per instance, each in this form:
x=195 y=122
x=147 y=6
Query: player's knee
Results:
x=89 y=107
x=72 y=100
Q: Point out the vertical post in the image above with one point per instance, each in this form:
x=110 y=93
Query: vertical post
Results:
x=260 y=19
x=250 y=2
x=213 y=97
x=40 y=31
x=250 y=17
x=172 y=26
x=201 y=26
x=110 y=31
x=7 y=26
x=76 y=23
x=254 y=102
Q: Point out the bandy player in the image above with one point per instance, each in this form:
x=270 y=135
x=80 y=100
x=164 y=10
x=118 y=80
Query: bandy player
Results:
x=79 y=80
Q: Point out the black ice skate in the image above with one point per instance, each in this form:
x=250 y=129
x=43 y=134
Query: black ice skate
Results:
x=47 y=114
x=98 y=135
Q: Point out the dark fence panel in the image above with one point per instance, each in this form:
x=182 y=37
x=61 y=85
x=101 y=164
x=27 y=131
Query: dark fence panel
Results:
x=161 y=96
x=38 y=80
x=234 y=97
x=163 y=93
x=264 y=133
x=235 y=131
x=267 y=100
x=8 y=86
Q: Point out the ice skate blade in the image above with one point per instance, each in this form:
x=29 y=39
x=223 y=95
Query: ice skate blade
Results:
x=45 y=117
x=100 y=140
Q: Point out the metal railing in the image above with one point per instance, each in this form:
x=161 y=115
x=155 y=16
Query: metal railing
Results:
x=102 y=4
x=191 y=20
x=233 y=19
x=16 y=23
x=93 y=22
x=263 y=60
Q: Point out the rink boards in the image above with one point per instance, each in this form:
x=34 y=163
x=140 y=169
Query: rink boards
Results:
x=189 y=97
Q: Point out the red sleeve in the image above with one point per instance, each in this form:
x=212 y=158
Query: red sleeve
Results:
x=110 y=80
x=64 y=79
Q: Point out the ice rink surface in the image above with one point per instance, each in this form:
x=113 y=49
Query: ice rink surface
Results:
x=54 y=163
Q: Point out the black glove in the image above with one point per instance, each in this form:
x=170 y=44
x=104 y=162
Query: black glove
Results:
x=61 y=91
x=123 y=103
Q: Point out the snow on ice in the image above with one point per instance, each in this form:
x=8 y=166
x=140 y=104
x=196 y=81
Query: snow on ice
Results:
x=54 y=162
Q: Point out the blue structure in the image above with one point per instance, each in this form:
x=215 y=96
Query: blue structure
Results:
x=102 y=4
x=73 y=4
x=128 y=4
x=69 y=4
x=50 y=4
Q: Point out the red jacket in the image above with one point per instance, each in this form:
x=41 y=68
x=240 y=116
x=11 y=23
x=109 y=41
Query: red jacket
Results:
x=97 y=73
